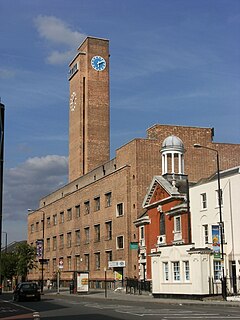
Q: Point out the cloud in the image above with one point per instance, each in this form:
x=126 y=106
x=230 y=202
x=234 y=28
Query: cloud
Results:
x=57 y=33
x=25 y=184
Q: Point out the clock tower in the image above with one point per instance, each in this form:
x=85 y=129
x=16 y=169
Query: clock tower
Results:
x=89 y=141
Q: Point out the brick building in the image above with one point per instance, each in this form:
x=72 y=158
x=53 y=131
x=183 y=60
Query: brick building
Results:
x=89 y=222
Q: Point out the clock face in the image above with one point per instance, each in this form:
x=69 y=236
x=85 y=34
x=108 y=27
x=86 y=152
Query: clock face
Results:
x=73 y=101
x=98 y=63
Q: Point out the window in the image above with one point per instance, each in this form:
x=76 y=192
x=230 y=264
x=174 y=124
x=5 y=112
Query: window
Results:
x=77 y=262
x=166 y=271
x=205 y=233
x=61 y=217
x=109 y=230
x=221 y=198
x=97 y=261
x=87 y=234
x=97 y=203
x=54 y=219
x=77 y=211
x=61 y=244
x=69 y=239
x=87 y=207
x=69 y=214
x=54 y=243
x=217 y=268
x=203 y=201
x=54 y=265
x=86 y=261
x=48 y=244
x=120 y=244
x=162 y=223
x=37 y=226
x=141 y=232
x=177 y=224
x=32 y=228
x=119 y=209
x=108 y=258
x=187 y=270
x=77 y=237
x=69 y=263
x=176 y=271
x=48 y=222
x=108 y=199
x=97 y=232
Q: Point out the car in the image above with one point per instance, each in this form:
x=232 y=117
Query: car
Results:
x=26 y=291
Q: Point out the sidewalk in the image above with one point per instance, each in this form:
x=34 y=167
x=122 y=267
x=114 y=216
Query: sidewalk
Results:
x=144 y=297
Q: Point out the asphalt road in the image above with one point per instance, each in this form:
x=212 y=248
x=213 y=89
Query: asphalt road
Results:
x=74 y=307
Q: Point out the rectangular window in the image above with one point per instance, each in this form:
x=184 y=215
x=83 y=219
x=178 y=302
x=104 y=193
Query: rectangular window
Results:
x=77 y=262
x=86 y=261
x=61 y=240
x=69 y=214
x=187 y=270
x=97 y=232
x=108 y=258
x=69 y=239
x=87 y=207
x=221 y=198
x=87 y=234
x=61 y=217
x=77 y=237
x=217 y=267
x=109 y=230
x=48 y=222
x=97 y=203
x=32 y=228
x=48 y=244
x=205 y=231
x=54 y=219
x=176 y=271
x=54 y=243
x=119 y=209
x=54 y=265
x=37 y=226
x=77 y=211
x=97 y=261
x=203 y=201
x=120 y=242
x=69 y=263
x=108 y=199
x=166 y=271
x=177 y=224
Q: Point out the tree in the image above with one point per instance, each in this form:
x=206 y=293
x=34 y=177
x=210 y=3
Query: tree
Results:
x=8 y=264
x=26 y=255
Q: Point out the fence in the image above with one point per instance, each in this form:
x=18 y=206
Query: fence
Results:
x=134 y=286
x=232 y=286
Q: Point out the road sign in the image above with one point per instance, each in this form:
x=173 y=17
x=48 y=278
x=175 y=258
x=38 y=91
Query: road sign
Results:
x=60 y=265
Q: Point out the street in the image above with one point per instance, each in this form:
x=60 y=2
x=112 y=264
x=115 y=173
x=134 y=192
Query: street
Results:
x=75 y=307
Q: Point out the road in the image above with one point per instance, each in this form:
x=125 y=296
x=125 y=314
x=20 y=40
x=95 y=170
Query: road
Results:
x=74 y=307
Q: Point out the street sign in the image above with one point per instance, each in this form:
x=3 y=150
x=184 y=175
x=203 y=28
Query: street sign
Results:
x=60 y=265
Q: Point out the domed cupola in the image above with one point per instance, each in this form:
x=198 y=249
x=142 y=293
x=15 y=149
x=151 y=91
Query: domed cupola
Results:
x=172 y=155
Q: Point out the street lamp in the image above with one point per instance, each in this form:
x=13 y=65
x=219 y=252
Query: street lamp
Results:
x=6 y=235
x=42 y=259
x=224 y=291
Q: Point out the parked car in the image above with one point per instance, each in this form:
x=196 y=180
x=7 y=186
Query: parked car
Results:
x=25 y=291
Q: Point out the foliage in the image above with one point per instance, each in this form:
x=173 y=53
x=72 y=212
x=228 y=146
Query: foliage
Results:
x=18 y=262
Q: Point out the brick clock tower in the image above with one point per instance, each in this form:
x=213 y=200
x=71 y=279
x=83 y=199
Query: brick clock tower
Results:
x=89 y=123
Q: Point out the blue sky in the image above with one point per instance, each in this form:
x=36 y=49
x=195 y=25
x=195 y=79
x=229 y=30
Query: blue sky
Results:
x=172 y=62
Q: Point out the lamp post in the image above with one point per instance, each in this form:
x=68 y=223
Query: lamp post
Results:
x=6 y=235
x=224 y=291
x=42 y=255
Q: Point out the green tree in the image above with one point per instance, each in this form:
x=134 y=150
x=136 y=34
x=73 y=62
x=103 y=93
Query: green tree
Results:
x=26 y=255
x=8 y=264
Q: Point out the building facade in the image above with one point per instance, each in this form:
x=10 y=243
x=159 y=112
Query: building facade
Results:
x=88 y=224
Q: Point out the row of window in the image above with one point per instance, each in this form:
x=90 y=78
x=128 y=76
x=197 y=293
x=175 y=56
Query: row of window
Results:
x=69 y=215
x=172 y=271
x=204 y=200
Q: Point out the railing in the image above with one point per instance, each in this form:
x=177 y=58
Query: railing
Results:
x=135 y=286
x=232 y=286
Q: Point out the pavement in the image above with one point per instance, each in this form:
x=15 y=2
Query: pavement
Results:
x=146 y=297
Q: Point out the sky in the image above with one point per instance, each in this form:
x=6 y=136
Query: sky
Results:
x=172 y=62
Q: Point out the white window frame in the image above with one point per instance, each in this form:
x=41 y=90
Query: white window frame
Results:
x=186 y=270
x=206 y=233
x=203 y=201
x=176 y=271
x=166 y=271
x=177 y=224
x=217 y=269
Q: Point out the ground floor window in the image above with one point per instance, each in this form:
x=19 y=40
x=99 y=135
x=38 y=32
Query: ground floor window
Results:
x=187 y=270
x=217 y=268
x=176 y=271
x=166 y=271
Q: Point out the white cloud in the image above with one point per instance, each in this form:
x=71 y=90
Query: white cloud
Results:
x=25 y=184
x=58 y=33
